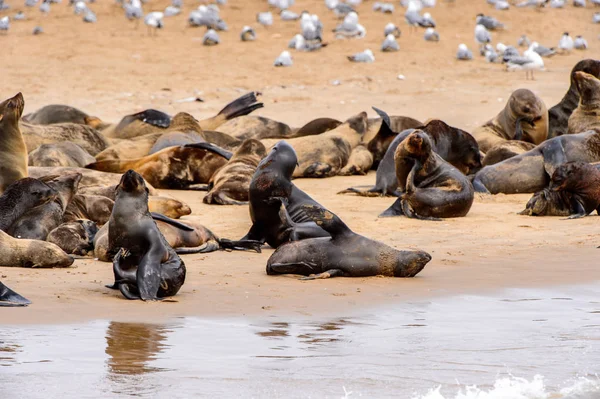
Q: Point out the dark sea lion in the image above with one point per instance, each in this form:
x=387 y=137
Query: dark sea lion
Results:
x=13 y=151
x=16 y=252
x=76 y=237
x=359 y=163
x=10 y=298
x=530 y=172
x=388 y=129
x=20 y=197
x=255 y=127
x=549 y=203
x=345 y=253
x=36 y=223
x=145 y=266
x=96 y=208
x=270 y=187
x=84 y=136
x=587 y=114
x=505 y=150
x=326 y=154
x=524 y=111
x=59 y=113
x=317 y=126
x=60 y=154
x=230 y=184
x=431 y=187
x=173 y=167
x=558 y=116
x=176 y=138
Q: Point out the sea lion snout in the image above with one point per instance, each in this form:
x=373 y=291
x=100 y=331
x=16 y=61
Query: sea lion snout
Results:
x=410 y=263
x=12 y=107
x=131 y=181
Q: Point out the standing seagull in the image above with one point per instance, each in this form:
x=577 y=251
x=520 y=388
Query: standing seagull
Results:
x=412 y=16
x=80 y=8
x=463 y=53
x=580 y=43
x=482 y=36
x=528 y=63
x=154 y=21
x=350 y=27
x=490 y=23
x=543 y=51
x=284 y=60
x=4 y=24
x=566 y=42
x=390 y=44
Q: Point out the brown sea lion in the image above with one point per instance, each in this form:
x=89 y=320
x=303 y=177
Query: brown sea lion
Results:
x=20 y=197
x=558 y=116
x=136 y=147
x=505 y=150
x=16 y=252
x=230 y=184
x=36 y=223
x=173 y=167
x=359 y=163
x=10 y=298
x=524 y=112
x=379 y=141
x=176 y=138
x=76 y=237
x=316 y=126
x=587 y=114
x=345 y=253
x=326 y=154
x=255 y=127
x=92 y=207
x=13 y=151
x=84 y=136
x=530 y=172
x=59 y=113
x=60 y=154
x=431 y=188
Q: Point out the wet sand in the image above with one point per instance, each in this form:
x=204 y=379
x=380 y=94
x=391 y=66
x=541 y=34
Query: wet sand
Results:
x=110 y=69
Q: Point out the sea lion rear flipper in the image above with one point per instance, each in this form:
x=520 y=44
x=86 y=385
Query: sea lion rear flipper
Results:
x=326 y=220
x=10 y=298
x=373 y=191
x=301 y=268
x=172 y=222
x=394 y=210
x=241 y=245
x=241 y=106
x=153 y=117
x=578 y=209
x=410 y=213
x=327 y=274
x=212 y=148
x=554 y=155
x=129 y=291
x=478 y=186
x=385 y=118
x=318 y=170
x=209 y=246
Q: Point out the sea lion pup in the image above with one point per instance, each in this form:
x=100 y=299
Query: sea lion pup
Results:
x=326 y=154
x=524 y=112
x=505 y=150
x=20 y=197
x=173 y=167
x=316 y=126
x=255 y=127
x=60 y=154
x=548 y=203
x=230 y=184
x=345 y=253
x=558 y=116
x=587 y=114
x=10 y=298
x=76 y=237
x=359 y=163
x=36 y=223
x=59 y=113
x=13 y=151
x=15 y=252
x=270 y=188
x=84 y=136
x=153 y=121
x=93 y=207
x=145 y=266
x=432 y=188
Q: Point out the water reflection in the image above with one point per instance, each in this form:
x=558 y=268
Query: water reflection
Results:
x=8 y=353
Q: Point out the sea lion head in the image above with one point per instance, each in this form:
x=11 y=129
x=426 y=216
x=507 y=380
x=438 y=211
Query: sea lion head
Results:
x=588 y=66
x=410 y=263
x=418 y=144
x=132 y=183
x=185 y=122
x=570 y=176
x=588 y=87
x=283 y=157
x=526 y=105
x=11 y=110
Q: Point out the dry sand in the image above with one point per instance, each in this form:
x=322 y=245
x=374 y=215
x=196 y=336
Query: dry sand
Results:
x=110 y=69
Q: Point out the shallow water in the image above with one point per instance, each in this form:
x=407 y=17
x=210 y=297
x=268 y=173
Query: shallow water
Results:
x=516 y=344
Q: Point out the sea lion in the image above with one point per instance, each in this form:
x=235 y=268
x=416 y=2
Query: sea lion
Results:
x=76 y=237
x=379 y=142
x=16 y=252
x=530 y=172
x=96 y=208
x=36 y=223
x=359 y=163
x=60 y=154
x=587 y=114
x=59 y=113
x=345 y=253
x=581 y=182
x=176 y=138
x=84 y=136
x=145 y=266
x=10 y=298
x=230 y=184
x=432 y=188
x=523 y=112
x=454 y=145
x=173 y=167
x=558 y=116
x=136 y=147
x=255 y=127
x=326 y=154
x=13 y=151
x=548 y=203
x=316 y=126
x=20 y=197
x=270 y=187
x=505 y=150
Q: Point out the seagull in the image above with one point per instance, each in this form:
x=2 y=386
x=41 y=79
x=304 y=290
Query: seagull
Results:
x=557 y=3
x=393 y=29
x=428 y=3
x=427 y=21
x=331 y=4
x=287 y=15
x=386 y=8
x=211 y=38
x=463 y=53
x=528 y=63
x=284 y=60
x=171 y=11
x=523 y=41
x=207 y=16
x=502 y=5
x=482 y=35
x=4 y=23
x=38 y=30
x=350 y=27
x=507 y=52
x=310 y=30
x=90 y=17
x=490 y=23
x=580 y=43
x=390 y=44
x=80 y=8
x=265 y=18
x=533 y=3
x=19 y=16
x=566 y=42
x=579 y=3
x=543 y=51
x=431 y=35
x=301 y=44
x=177 y=3
x=30 y=3
x=45 y=7
x=490 y=54
x=248 y=34
x=412 y=16
x=596 y=18
x=154 y=20
x=342 y=9
x=133 y=10
x=365 y=56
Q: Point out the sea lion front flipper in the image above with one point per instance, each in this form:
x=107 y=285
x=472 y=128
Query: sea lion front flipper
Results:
x=394 y=210
x=554 y=155
x=172 y=222
x=242 y=106
x=385 y=118
x=148 y=275
x=302 y=268
x=241 y=245
x=328 y=274
x=10 y=298
x=327 y=220
x=212 y=148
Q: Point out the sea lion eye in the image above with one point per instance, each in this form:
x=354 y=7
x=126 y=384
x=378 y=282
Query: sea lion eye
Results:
x=526 y=110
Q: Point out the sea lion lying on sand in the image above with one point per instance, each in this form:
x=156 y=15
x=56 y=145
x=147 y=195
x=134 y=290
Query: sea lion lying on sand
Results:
x=505 y=150
x=13 y=151
x=587 y=114
x=60 y=154
x=59 y=113
x=10 y=298
x=96 y=208
x=84 y=136
x=16 y=252
x=359 y=163
x=255 y=127
x=76 y=237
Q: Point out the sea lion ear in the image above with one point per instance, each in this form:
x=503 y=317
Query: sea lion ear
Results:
x=327 y=220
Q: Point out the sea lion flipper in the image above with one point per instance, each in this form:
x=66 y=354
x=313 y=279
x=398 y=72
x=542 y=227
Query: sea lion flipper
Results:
x=10 y=298
x=301 y=268
x=554 y=155
x=326 y=220
x=372 y=191
x=384 y=118
x=148 y=276
x=172 y=222
x=212 y=148
x=241 y=245
x=328 y=274
x=394 y=210
x=153 y=117
x=209 y=246
x=241 y=106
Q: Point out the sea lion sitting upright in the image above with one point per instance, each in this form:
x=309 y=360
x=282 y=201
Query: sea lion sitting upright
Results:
x=345 y=253
x=524 y=112
x=230 y=184
x=10 y=298
x=432 y=188
x=15 y=252
x=13 y=151
x=145 y=265
x=60 y=154
x=20 y=197
x=558 y=116
x=587 y=114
